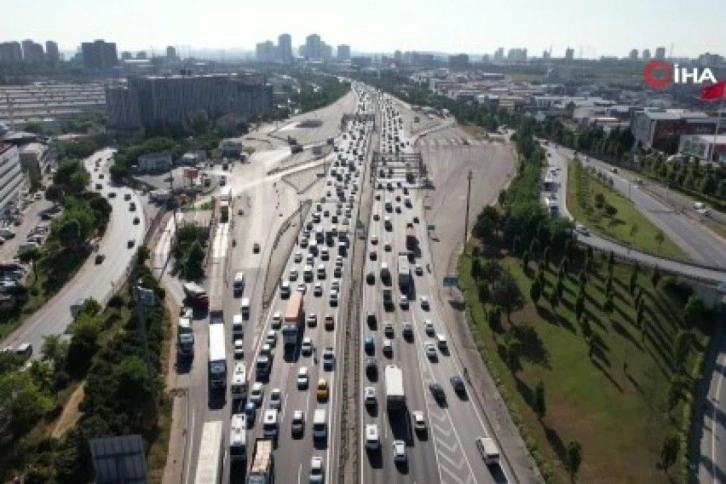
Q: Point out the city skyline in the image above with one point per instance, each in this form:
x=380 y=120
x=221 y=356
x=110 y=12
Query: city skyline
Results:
x=463 y=27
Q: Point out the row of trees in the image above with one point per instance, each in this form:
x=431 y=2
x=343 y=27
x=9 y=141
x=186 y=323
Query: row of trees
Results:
x=695 y=177
x=189 y=249
x=317 y=91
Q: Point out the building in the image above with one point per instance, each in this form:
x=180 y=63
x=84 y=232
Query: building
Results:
x=313 y=47
x=193 y=158
x=284 y=48
x=152 y=101
x=660 y=53
x=569 y=54
x=517 y=55
x=11 y=52
x=99 y=55
x=266 y=51
x=32 y=52
x=460 y=61
x=231 y=148
x=51 y=52
x=154 y=162
x=499 y=54
x=702 y=147
x=646 y=54
x=344 y=52
x=34 y=157
x=361 y=62
x=11 y=176
x=633 y=56
x=171 y=53
x=661 y=129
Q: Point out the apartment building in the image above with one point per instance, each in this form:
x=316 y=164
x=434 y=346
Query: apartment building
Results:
x=11 y=176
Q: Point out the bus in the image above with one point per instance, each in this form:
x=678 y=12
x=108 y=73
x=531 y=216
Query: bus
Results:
x=211 y=454
x=294 y=316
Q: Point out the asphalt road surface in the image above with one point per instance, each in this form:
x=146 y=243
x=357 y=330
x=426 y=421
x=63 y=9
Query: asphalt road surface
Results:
x=92 y=280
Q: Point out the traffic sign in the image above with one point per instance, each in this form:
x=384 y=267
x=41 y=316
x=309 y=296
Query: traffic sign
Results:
x=451 y=281
x=431 y=227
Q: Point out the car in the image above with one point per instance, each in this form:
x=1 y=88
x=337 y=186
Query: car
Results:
x=388 y=329
x=399 y=451
x=424 y=302
x=271 y=338
x=377 y=217
x=371 y=366
x=372 y=436
x=430 y=350
x=298 y=256
x=25 y=349
x=328 y=358
x=387 y=348
x=429 y=327
x=255 y=248
x=374 y=240
x=318 y=289
x=239 y=349
x=458 y=384
x=338 y=271
x=407 y=330
x=100 y=258
x=257 y=393
x=369 y=344
x=419 y=422
x=302 y=287
x=418 y=270
x=415 y=220
x=136 y=220
x=250 y=411
x=581 y=229
x=275 y=399
x=111 y=194
x=387 y=247
x=437 y=391
x=373 y=255
x=312 y=320
x=369 y=397
x=276 y=320
x=293 y=274
x=323 y=390
x=329 y=322
x=371 y=319
x=99 y=186
x=333 y=299
x=266 y=350
x=297 y=424
x=306 y=348
x=317 y=470
x=127 y=197
x=403 y=301
x=303 y=378
x=130 y=243
x=101 y=176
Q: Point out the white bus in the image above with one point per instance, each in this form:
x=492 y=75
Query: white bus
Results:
x=211 y=454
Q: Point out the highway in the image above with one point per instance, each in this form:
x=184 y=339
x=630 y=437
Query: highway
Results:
x=92 y=280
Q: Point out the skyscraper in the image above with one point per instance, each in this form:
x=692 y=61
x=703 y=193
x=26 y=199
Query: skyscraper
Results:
x=32 y=51
x=51 y=52
x=11 y=52
x=660 y=53
x=569 y=53
x=646 y=54
x=265 y=51
x=499 y=54
x=171 y=53
x=633 y=56
x=343 y=52
x=99 y=54
x=313 y=47
x=284 y=48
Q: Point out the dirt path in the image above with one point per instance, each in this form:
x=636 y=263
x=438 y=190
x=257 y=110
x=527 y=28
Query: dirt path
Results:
x=70 y=415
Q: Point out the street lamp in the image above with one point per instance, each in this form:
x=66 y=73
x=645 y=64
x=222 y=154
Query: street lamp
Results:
x=145 y=298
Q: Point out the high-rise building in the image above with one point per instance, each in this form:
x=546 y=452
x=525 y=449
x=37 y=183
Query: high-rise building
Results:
x=499 y=54
x=51 y=52
x=327 y=51
x=460 y=61
x=398 y=57
x=284 y=48
x=265 y=51
x=646 y=54
x=126 y=55
x=569 y=53
x=517 y=55
x=660 y=53
x=344 y=52
x=171 y=53
x=141 y=55
x=11 y=175
x=99 y=55
x=11 y=52
x=32 y=51
x=313 y=47
x=152 y=101
x=633 y=56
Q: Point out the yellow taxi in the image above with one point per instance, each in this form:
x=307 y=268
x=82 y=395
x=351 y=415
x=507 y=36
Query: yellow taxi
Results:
x=323 y=389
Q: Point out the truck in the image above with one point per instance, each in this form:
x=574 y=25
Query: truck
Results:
x=77 y=306
x=211 y=454
x=217 y=373
x=216 y=311
x=296 y=149
x=262 y=470
x=404 y=273
x=196 y=296
x=411 y=240
x=185 y=337
x=293 y=319
x=387 y=298
x=223 y=211
x=395 y=396
x=225 y=194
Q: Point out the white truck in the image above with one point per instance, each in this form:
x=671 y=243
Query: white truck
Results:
x=217 y=357
x=211 y=454
x=262 y=470
x=395 y=396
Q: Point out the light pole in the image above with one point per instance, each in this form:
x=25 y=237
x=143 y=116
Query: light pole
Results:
x=145 y=297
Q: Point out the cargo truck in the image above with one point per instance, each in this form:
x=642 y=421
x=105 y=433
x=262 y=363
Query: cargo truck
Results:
x=217 y=371
x=262 y=470
x=404 y=273
x=293 y=319
x=224 y=211
x=411 y=240
x=196 y=296
x=395 y=396
x=216 y=311
x=185 y=337
x=211 y=454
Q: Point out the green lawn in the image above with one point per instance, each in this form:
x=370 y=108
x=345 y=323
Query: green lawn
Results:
x=582 y=189
x=619 y=415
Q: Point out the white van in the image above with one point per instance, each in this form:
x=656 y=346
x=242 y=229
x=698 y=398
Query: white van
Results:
x=270 y=423
x=238 y=286
x=488 y=450
x=373 y=440
x=321 y=271
x=320 y=423
x=239 y=382
x=441 y=341
x=238 y=437
x=238 y=326
x=245 y=308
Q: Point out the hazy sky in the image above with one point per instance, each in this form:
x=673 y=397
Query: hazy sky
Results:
x=604 y=27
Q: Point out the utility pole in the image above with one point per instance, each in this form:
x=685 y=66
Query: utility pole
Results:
x=468 y=196
x=172 y=199
x=145 y=297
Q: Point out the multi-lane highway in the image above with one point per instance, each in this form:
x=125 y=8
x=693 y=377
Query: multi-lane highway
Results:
x=92 y=280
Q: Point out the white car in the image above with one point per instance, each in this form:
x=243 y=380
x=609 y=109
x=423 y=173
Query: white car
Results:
x=257 y=393
x=399 y=451
x=298 y=256
x=317 y=470
x=298 y=422
x=276 y=320
x=419 y=422
x=374 y=239
x=302 y=287
x=303 y=378
x=239 y=349
x=293 y=274
x=424 y=301
x=369 y=396
x=307 y=346
x=275 y=398
x=403 y=301
x=312 y=320
x=429 y=327
x=582 y=229
x=271 y=338
x=333 y=297
x=418 y=269
x=430 y=350
x=318 y=289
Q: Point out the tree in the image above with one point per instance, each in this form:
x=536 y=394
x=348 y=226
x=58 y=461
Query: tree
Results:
x=495 y=317
x=513 y=348
x=675 y=388
x=546 y=257
x=659 y=239
x=633 y=232
x=482 y=292
x=585 y=325
x=535 y=291
x=574 y=458
x=609 y=285
x=681 y=347
x=554 y=299
x=525 y=260
x=476 y=269
x=655 y=277
x=54 y=193
x=23 y=401
x=608 y=305
x=539 y=404
x=487 y=225
x=669 y=450
x=54 y=349
x=31 y=256
x=579 y=307
x=192 y=268
x=694 y=310
x=633 y=283
x=505 y=293
x=565 y=265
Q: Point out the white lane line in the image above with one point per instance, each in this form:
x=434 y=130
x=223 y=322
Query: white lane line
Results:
x=190 y=448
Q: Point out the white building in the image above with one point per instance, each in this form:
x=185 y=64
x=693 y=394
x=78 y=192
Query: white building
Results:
x=154 y=162
x=702 y=146
x=11 y=176
x=34 y=156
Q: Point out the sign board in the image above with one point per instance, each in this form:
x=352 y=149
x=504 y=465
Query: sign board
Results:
x=451 y=281
x=431 y=227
